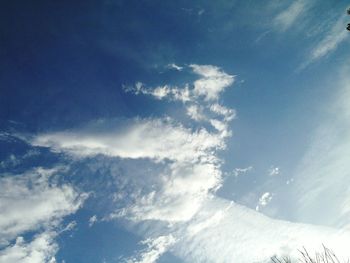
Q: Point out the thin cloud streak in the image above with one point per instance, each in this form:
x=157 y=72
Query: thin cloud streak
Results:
x=287 y=18
x=330 y=41
x=324 y=169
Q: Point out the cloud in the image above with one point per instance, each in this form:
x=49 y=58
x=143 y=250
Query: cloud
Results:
x=157 y=139
x=174 y=66
x=227 y=113
x=33 y=202
x=72 y=225
x=162 y=92
x=199 y=98
x=243 y=235
x=41 y=249
x=155 y=248
x=92 y=220
x=239 y=171
x=12 y=160
x=288 y=17
x=209 y=229
x=205 y=220
x=195 y=112
x=184 y=189
x=191 y=166
x=28 y=201
x=175 y=206
x=329 y=42
x=213 y=81
x=322 y=176
x=264 y=200
x=191 y=171
x=274 y=171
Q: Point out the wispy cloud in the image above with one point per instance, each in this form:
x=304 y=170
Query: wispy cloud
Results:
x=321 y=178
x=155 y=248
x=33 y=202
x=240 y=171
x=288 y=17
x=274 y=171
x=156 y=139
x=211 y=83
x=329 y=42
x=174 y=66
x=41 y=249
x=264 y=200
x=92 y=220
x=195 y=112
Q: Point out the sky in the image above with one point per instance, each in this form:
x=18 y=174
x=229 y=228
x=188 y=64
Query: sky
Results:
x=173 y=131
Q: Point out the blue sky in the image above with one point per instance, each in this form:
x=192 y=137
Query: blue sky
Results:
x=173 y=131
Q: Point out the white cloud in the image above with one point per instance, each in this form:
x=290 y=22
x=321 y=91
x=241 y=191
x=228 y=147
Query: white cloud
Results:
x=92 y=220
x=185 y=183
x=213 y=81
x=174 y=66
x=205 y=220
x=195 y=112
x=288 y=17
x=206 y=231
x=11 y=160
x=238 y=171
x=274 y=171
x=41 y=249
x=228 y=114
x=200 y=98
x=196 y=225
x=28 y=201
x=264 y=200
x=33 y=202
x=71 y=226
x=321 y=180
x=329 y=42
x=162 y=92
x=156 y=139
x=193 y=173
x=243 y=235
x=221 y=127
x=183 y=189
x=155 y=248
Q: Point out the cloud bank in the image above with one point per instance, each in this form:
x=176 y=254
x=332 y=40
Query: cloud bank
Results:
x=177 y=205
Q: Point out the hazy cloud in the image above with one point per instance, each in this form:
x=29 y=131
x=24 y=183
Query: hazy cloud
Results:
x=288 y=17
x=329 y=42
